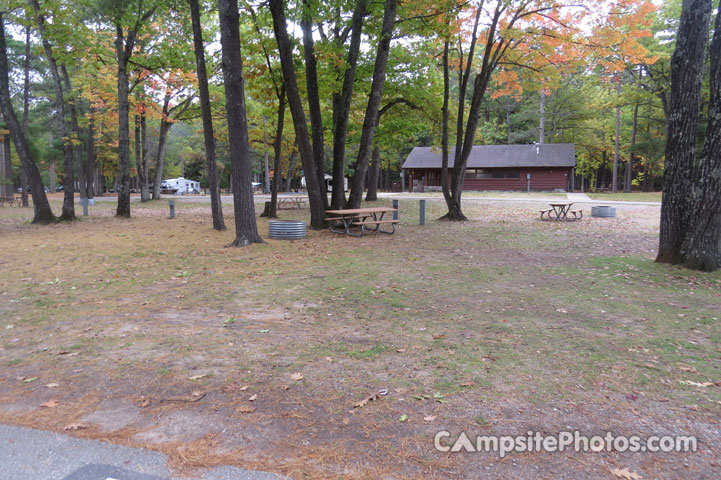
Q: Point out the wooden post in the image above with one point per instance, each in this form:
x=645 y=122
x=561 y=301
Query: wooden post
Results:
x=422 y=208
x=395 y=213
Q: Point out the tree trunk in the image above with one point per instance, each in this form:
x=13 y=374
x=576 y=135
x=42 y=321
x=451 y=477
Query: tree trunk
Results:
x=138 y=151
x=317 y=209
x=211 y=165
x=6 y=168
x=617 y=139
x=277 y=150
x=702 y=246
x=629 y=166
x=371 y=116
x=68 y=160
x=373 y=173
x=266 y=166
x=123 y=190
x=144 y=184
x=91 y=178
x=291 y=169
x=341 y=106
x=246 y=230
x=542 y=125
x=26 y=117
x=687 y=64
x=162 y=142
x=43 y=213
x=316 y=118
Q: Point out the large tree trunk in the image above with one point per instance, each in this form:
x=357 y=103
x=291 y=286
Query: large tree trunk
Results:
x=444 y=137
x=317 y=209
x=464 y=142
x=68 y=160
x=371 y=116
x=687 y=65
x=311 y=80
x=123 y=190
x=341 y=105
x=211 y=165
x=246 y=230
x=26 y=111
x=702 y=246
x=43 y=213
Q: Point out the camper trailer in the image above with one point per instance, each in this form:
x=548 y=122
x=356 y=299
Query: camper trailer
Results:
x=180 y=186
x=328 y=183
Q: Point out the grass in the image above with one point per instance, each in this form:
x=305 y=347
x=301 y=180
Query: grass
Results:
x=502 y=323
x=627 y=197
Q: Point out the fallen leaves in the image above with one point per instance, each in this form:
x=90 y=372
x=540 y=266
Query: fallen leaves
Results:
x=29 y=380
x=52 y=385
x=626 y=474
x=50 y=403
x=253 y=397
x=245 y=409
x=198 y=377
x=403 y=418
x=468 y=384
x=297 y=376
x=429 y=418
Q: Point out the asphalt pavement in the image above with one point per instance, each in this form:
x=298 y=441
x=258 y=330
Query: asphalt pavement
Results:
x=29 y=454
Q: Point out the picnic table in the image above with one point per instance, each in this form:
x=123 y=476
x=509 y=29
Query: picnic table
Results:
x=291 y=202
x=10 y=199
x=368 y=219
x=560 y=212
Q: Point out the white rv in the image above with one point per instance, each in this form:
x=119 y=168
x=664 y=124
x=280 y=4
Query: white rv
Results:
x=180 y=186
x=328 y=183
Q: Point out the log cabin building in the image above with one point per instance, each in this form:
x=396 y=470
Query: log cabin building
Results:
x=496 y=167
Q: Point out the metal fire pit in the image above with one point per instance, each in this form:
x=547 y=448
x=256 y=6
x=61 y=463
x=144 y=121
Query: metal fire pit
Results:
x=286 y=229
x=603 y=211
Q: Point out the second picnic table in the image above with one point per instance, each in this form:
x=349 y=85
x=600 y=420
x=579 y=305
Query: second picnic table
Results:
x=368 y=219
x=560 y=212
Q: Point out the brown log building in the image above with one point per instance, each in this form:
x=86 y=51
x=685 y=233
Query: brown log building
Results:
x=497 y=167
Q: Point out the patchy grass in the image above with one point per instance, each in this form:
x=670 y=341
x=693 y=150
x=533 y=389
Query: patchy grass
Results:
x=628 y=197
x=499 y=325
x=492 y=194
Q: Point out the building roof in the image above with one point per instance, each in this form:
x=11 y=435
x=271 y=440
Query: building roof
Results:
x=499 y=156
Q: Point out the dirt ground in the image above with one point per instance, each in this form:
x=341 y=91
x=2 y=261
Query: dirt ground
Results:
x=150 y=332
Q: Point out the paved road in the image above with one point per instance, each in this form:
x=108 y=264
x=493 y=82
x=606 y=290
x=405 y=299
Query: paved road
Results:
x=28 y=454
x=574 y=197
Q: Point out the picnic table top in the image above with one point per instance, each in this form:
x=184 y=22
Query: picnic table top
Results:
x=567 y=204
x=356 y=211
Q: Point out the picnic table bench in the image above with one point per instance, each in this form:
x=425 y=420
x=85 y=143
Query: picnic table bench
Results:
x=290 y=202
x=368 y=219
x=559 y=212
x=11 y=199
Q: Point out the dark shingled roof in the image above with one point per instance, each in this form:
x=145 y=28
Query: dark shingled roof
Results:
x=488 y=156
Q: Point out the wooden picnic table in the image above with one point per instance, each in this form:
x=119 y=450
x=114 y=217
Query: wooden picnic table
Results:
x=368 y=219
x=560 y=212
x=291 y=201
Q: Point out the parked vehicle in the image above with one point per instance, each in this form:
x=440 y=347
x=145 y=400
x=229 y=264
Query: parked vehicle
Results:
x=180 y=186
x=328 y=183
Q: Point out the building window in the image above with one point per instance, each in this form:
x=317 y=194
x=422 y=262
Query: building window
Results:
x=492 y=173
